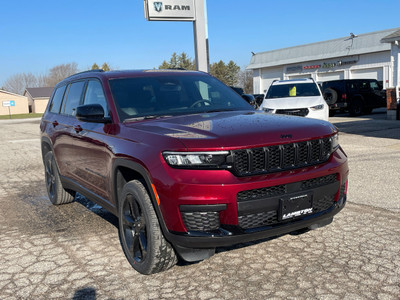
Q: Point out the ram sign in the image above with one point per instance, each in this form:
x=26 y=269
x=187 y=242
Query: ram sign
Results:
x=169 y=10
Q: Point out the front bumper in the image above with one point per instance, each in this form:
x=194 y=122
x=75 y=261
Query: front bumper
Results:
x=224 y=237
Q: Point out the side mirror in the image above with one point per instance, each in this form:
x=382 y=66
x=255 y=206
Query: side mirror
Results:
x=91 y=113
x=249 y=98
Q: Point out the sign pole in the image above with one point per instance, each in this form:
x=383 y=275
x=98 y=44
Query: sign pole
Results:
x=200 y=32
x=9 y=111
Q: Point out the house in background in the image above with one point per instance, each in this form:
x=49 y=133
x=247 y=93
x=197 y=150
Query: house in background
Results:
x=11 y=103
x=38 y=98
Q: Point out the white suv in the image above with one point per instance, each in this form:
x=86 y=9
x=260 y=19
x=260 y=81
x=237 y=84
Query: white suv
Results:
x=299 y=97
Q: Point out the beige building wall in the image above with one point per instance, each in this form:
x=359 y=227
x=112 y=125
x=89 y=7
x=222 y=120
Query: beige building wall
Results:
x=21 y=103
x=39 y=105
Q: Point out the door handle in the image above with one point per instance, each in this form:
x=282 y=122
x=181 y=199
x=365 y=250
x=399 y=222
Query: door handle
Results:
x=55 y=123
x=78 y=128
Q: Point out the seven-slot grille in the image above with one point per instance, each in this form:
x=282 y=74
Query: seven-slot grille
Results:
x=281 y=157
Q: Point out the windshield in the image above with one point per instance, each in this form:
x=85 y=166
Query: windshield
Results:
x=158 y=96
x=292 y=90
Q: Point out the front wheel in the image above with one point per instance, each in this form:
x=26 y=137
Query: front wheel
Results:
x=139 y=231
x=356 y=107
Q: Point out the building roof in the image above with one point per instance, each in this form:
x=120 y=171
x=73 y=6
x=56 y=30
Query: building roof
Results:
x=345 y=46
x=395 y=36
x=7 y=92
x=40 y=92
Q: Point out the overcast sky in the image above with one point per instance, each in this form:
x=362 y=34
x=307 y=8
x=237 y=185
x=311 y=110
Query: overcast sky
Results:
x=37 y=35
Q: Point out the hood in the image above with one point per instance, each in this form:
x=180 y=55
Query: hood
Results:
x=292 y=102
x=233 y=130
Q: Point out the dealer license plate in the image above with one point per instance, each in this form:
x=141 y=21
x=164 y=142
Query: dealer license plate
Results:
x=295 y=206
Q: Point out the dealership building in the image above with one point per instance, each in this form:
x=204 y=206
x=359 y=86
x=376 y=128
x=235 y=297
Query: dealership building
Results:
x=372 y=55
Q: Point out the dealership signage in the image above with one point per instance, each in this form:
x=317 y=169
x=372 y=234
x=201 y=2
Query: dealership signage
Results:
x=330 y=65
x=169 y=10
x=8 y=103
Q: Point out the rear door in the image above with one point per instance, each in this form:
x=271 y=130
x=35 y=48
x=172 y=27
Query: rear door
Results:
x=64 y=144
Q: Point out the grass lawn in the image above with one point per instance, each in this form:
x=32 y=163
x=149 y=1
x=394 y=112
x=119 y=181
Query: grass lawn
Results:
x=21 y=116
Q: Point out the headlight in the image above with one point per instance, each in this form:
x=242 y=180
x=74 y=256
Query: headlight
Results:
x=317 y=107
x=267 y=110
x=208 y=160
x=335 y=142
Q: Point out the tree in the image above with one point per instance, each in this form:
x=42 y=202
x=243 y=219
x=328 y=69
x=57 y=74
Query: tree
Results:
x=95 y=67
x=60 y=72
x=19 y=82
x=245 y=80
x=227 y=73
x=105 y=67
x=181 y=61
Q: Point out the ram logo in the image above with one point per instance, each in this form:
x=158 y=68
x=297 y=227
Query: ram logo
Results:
x=158 y=6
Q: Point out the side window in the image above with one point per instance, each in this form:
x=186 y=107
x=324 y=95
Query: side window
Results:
x=55 y=104
x=374 y=85
x=95 y=95
x=73 y=98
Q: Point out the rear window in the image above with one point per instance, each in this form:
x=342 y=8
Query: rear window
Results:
x=173 y=95
x=292 y=90
x=55 y=104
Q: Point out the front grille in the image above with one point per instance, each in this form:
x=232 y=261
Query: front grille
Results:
x=279 y=158
x=258 y=219
x=278 y=190
x=271 y=217
x=271 y=195
x=301 y=112
x=201 y=220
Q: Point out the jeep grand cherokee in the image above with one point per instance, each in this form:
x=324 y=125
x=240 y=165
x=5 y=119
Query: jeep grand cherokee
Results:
x=186 y=164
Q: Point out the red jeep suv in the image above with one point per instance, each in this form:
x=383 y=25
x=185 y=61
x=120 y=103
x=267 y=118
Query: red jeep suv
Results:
x=186 y=164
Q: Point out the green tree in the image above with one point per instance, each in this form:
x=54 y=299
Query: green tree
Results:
x=105 y=67
x=95 y=67
x=181 y=61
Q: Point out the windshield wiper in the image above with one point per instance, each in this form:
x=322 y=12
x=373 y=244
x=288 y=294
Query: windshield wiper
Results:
x=148 y=117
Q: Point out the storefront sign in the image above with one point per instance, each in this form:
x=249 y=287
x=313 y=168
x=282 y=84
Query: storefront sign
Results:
x=169 y=10
x=294 y=69
x=330 y=65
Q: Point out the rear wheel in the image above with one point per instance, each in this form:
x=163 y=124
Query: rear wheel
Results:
x=57 y=194
x=356 y=108
x=139 y=231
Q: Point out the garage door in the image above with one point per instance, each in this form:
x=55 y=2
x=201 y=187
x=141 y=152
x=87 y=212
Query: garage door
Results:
x=375 y=73
x=330 y=76
x=268 y=75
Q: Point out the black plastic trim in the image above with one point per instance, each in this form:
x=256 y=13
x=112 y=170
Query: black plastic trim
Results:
x=211 y=207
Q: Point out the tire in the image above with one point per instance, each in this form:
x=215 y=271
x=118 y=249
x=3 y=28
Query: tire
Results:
x=57 y=194
x=139 y=232
x=330 y=96
x=356 y=107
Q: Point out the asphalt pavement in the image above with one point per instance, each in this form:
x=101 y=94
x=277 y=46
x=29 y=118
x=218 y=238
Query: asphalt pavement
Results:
x=72 y=251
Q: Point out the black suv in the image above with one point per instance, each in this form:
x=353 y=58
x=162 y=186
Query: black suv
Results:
x=357 y=96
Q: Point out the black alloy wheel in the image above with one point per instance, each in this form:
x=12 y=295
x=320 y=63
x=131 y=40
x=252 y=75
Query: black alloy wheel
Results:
x=139 y=231
x=57 y=194
x=134 y=229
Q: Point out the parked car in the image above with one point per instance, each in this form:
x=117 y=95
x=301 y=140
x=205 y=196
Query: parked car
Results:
x=357 y=96
x=253 y=100
x=298 y=97
x=185 y=164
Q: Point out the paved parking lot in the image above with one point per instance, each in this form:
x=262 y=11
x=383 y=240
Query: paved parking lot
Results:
x=73 y=252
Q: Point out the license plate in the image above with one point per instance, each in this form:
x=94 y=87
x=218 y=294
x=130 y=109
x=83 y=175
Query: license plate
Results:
x=295 y=206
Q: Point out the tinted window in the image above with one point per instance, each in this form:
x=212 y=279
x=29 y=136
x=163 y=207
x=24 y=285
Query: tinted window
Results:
x=95 y=95
x=173 y=95
x=57 y=100
x=292 y=90
x=73 y=98
x=374 y=85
